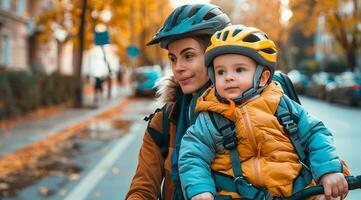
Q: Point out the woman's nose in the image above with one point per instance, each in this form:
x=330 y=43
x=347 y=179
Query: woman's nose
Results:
x=179 y=66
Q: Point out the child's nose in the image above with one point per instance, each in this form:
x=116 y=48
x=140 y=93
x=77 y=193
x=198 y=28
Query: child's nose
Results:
x=229 y=77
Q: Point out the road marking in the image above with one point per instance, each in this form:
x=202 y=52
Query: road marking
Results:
x=82 y=190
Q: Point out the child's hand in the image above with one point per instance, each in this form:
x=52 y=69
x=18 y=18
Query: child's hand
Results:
x=335 y=185
x=322 y=197
x=203 y=196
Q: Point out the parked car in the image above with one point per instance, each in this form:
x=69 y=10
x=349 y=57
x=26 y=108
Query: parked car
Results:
x=316 y=87
x=346 y=88
x=299 y=80
x=144 y=79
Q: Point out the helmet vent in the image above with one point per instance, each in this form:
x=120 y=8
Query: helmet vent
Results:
x=218 y=34
x=235 y=32
x=251 y=38
x=225 y=34
x=268 y=50
x=193 y=11
x=176 y=17
x=209 y=16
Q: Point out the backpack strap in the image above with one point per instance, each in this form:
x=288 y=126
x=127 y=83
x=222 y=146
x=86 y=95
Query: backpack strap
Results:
x=289 y=122
x=161 y=139
x=287 y=86
x=238 y=184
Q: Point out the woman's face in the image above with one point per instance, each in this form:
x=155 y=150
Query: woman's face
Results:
x=187 y=60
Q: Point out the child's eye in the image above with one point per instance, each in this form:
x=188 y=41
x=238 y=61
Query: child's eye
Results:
x=220 y=72
x=239 y=69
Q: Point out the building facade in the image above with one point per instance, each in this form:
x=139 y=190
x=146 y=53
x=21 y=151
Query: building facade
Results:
x=13 y=35
x=20 y=48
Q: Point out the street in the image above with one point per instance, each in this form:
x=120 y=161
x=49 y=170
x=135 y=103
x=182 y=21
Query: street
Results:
x=100 y=162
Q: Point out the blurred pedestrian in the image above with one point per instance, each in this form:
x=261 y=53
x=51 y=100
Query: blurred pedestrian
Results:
x=98 y=89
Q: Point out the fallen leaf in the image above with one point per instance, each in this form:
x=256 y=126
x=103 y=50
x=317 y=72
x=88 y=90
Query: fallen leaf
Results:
x=62 y=192
x=43 y=191
x=115 y=170
x=74 y=177
x=4 y=186
x=97 y=194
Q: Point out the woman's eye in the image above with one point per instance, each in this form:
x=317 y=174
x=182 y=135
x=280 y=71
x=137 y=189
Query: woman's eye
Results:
x=172 y=59
x=187 y=56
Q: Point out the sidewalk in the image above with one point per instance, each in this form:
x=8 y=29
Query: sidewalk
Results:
x=26 y=133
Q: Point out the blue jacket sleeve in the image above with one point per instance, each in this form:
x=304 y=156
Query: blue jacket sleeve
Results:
x=318 y=141
x=197 y=151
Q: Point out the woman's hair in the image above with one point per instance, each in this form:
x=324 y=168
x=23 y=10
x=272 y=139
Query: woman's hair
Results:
x=204 y=41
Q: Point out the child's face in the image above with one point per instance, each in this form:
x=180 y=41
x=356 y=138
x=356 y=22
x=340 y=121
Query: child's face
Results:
x=234 y=74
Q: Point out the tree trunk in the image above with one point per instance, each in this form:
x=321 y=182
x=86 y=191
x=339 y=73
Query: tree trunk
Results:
x=78 y=71
x=59 y=55
x=351 y=59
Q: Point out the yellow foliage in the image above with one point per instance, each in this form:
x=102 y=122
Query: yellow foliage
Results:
x=342 y=18
x=132 y=23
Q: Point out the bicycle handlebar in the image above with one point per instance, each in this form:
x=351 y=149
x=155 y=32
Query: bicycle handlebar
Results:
x=354 y=182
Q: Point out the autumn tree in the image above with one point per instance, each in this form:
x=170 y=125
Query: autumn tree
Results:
x=132 y=23
x=342 y=21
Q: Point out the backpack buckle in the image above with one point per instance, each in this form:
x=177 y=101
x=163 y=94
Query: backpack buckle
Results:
x=241 y=180
x=230 y=142
x=291 y=128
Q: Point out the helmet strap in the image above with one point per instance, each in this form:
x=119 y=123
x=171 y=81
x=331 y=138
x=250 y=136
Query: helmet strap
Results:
x=255 y=89
x=251 y=92
x=256 y=80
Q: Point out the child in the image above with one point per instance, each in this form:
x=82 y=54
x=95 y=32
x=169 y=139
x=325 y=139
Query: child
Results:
x=241 y=61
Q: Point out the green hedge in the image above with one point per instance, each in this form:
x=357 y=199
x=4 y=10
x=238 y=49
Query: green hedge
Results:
x=22 y=92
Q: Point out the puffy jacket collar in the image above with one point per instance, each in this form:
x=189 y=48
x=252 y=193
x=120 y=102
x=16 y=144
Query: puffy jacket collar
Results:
x=169 y=92
x=209 y=102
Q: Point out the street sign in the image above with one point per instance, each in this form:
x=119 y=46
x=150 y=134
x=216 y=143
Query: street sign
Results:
x=102 y=38
x=133 y=51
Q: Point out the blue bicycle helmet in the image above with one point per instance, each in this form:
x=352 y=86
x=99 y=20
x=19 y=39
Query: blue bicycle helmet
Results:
x=191 y=20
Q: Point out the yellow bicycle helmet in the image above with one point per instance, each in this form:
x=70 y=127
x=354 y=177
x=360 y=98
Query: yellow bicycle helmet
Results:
x=247 y=41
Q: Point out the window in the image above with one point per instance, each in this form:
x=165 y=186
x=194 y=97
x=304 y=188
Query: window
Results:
x=5 y=4
x=20 y=7
x=6 y=50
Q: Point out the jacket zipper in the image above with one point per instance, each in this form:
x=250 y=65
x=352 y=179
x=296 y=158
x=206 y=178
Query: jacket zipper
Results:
x=255 y=147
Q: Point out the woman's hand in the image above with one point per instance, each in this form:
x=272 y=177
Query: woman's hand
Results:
x=335 y=185
x=203 y=196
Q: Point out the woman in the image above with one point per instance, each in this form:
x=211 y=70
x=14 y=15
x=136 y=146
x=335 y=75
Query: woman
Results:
x=185 y=34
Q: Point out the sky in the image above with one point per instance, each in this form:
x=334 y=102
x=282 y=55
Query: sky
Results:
x=176 y=3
